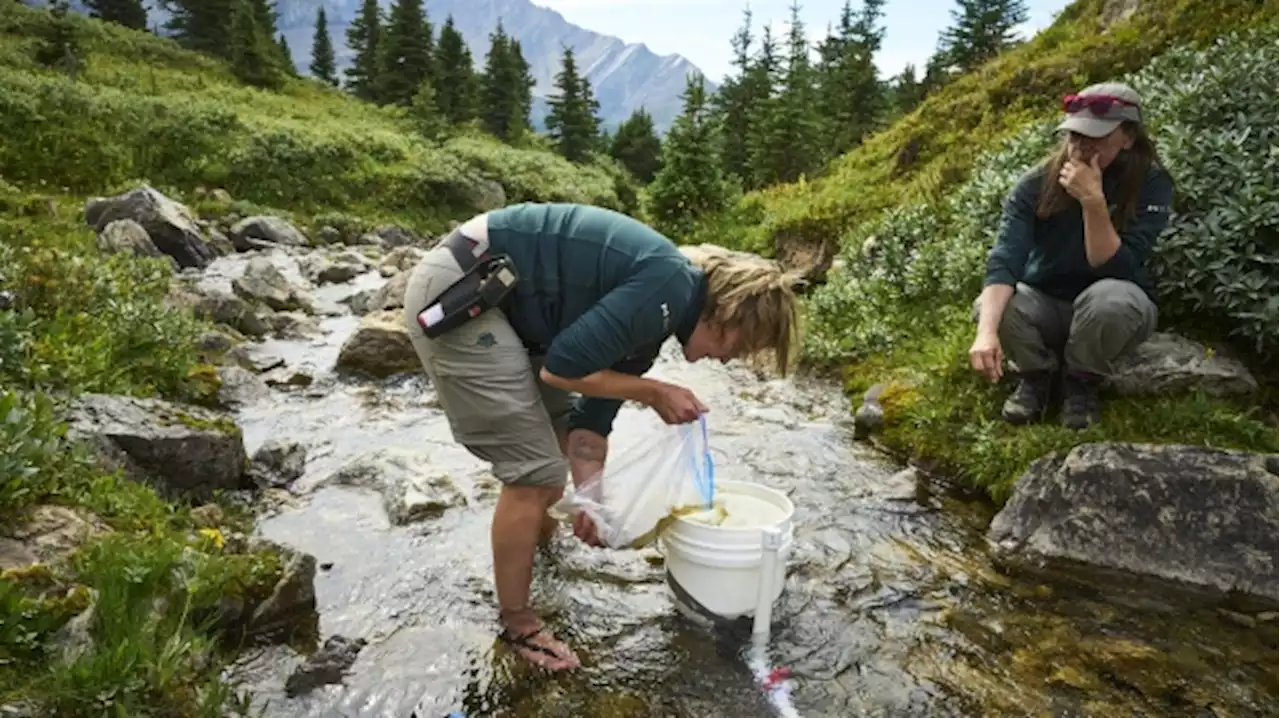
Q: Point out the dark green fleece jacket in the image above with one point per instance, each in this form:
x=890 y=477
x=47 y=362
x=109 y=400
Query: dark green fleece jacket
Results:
x=1049 y=254
x=597 y=290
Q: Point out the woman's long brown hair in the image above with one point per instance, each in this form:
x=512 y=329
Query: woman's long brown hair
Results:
x=1136 y=162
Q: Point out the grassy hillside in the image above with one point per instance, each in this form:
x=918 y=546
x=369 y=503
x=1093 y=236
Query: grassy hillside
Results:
x=916 y=226
x=935 y=147
x=74 y=320
x=140 y=108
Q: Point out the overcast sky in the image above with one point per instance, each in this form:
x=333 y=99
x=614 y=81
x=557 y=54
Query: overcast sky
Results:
x=674 y=26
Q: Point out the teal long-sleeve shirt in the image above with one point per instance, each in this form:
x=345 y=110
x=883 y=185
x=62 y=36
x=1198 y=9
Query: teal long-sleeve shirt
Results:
x=597 y=290
x=1049 y=254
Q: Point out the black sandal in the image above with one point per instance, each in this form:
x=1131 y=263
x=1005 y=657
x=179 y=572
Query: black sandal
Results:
x=523 y=641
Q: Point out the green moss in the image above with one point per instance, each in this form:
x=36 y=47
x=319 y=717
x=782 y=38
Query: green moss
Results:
x=939 y=410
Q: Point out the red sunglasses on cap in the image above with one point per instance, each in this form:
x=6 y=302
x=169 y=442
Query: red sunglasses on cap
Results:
x=1099 y=105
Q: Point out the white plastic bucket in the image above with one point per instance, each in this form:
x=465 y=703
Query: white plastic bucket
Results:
x=719 y=566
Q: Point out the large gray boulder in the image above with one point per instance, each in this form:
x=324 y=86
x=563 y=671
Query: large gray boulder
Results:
x=379 y=347
x=181 y=449
x=412 y=489
x=127 y=236
x=1168 y=363
x=264 y=284
x=264 y=232
x=1203 y=518
x=170 y=225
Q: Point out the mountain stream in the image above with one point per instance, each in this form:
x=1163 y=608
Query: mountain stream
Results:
x=892 y=606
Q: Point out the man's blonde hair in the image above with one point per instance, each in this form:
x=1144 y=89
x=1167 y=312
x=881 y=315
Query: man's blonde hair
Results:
x=754 y=296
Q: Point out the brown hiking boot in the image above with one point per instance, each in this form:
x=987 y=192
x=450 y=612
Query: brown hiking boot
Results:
x=1029 y=400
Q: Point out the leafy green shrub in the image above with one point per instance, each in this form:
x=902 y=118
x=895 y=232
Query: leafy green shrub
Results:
x=1209 y=112
x=1216 y=265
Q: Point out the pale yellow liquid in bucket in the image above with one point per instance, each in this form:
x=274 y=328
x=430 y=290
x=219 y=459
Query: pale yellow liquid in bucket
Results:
x=738 y=511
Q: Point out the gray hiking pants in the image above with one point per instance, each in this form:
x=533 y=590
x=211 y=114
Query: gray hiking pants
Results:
x=1107 y=320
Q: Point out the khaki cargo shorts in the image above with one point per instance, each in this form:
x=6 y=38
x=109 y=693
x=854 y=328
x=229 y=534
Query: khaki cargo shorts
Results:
x=488 y=385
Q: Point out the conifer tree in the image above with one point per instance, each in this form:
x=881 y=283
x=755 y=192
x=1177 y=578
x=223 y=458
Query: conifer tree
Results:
x=507 y=88
x=691 y=181
x=202 y=25
x=980 y=30
x=286 y=57
x=852 y=96
x=907 y=91
x=129 y=13
x=572 y=121
x=323 y=64
x=407 y=53
x=254 y=57
x=763 y=138
x=425 y=113
x=364 y=36
x=735 y=103
x=637 y=146
x=457 y=83
x=796 y=116
x=60 y=46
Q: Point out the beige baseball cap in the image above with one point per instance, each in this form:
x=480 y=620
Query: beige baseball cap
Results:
x=1097 y=110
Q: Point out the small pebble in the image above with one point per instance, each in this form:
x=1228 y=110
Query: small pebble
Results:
x=326 y=565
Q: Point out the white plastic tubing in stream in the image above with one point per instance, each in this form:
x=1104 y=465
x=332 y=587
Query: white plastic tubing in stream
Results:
x=779 y=690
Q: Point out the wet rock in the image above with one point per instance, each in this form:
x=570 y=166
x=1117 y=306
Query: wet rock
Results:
x=45 y=534
x=360 y=302
x=183 y=449
x=254 y=358
x=870 y=414
x=1168 y=363
x=773 y=415
x=288 y=378
x=379 y=347
x=232 y=311
x=342 y=268
x=324 y=667
x=411 y=488
x=401 y=259
x=391 y=236
x=391 y=294
x=262 y=282
x=902 y=486
x=221 y=242
x=170 y=225
x=215 y=342
x=327 y=235
x=126 y=235
x=290 y=608
x=278 y=462
x=240 y=387
x=263 y=231
x=1205 y=518
x=292 y=325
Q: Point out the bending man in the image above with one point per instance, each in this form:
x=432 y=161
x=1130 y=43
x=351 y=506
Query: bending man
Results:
x=596 y=294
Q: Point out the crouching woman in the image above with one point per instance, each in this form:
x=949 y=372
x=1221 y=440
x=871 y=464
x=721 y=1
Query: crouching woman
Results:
x=1067 y=290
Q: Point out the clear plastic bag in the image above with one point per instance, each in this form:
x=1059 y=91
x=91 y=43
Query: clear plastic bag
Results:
x=646 y=485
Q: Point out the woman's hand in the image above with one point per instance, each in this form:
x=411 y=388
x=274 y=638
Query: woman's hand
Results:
x=1082 y=181
x=987 y=357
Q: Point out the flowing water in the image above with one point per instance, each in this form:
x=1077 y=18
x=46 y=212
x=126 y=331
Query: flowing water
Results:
x=892 y=606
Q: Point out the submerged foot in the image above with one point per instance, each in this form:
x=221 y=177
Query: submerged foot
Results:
x=537 y=646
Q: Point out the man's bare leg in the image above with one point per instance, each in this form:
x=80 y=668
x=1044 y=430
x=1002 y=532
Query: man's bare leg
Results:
x=517 y=522
x=549 y=524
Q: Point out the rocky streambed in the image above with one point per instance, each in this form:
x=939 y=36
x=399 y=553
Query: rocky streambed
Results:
x=895 y=604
